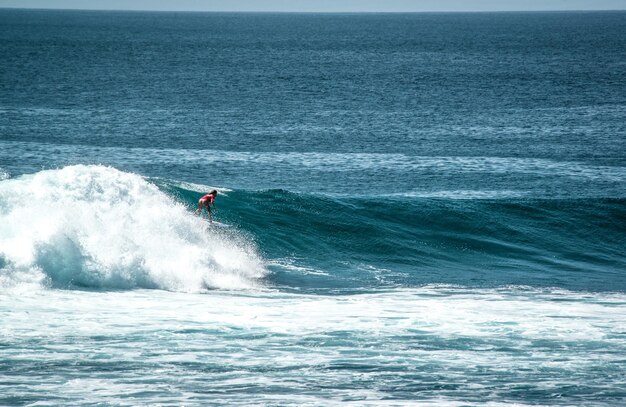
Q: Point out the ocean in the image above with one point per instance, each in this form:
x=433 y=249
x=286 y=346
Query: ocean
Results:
x=423 y=209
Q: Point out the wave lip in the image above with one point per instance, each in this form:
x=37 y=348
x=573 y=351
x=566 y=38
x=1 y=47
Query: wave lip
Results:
x=97 y=227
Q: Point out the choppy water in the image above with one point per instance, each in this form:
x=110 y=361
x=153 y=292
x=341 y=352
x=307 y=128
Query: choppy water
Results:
x=423 y=208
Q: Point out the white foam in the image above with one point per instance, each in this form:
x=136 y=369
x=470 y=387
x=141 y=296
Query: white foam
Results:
x=96 y=226
x=461 y=194
x=477 y=343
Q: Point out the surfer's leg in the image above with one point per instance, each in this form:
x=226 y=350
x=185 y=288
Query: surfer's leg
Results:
x=199 y=210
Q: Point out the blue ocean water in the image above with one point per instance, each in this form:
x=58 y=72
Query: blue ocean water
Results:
x=424 y=209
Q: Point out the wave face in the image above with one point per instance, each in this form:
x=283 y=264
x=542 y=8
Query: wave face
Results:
x=322 y=242
x=97 y=227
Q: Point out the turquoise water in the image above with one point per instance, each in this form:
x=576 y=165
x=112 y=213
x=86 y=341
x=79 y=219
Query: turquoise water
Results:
x=424 y=209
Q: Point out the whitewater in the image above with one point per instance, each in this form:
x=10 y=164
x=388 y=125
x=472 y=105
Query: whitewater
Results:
x=97 y=227
x=432 y=346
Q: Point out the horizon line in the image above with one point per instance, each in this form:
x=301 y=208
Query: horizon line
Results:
x=314 y=12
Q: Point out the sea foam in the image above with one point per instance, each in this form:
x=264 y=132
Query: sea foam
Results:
x=97 y=227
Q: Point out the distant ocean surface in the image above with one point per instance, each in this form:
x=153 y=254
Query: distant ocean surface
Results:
x=424 y=209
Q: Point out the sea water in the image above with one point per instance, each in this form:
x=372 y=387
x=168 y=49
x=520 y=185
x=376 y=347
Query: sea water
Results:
x=425 y=209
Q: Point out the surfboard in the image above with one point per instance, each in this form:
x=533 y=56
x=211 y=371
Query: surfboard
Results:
x=216 y=224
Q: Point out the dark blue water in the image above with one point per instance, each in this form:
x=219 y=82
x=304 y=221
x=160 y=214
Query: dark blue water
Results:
x=356 y=153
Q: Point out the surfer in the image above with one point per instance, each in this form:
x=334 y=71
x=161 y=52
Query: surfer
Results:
x=206 y=202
